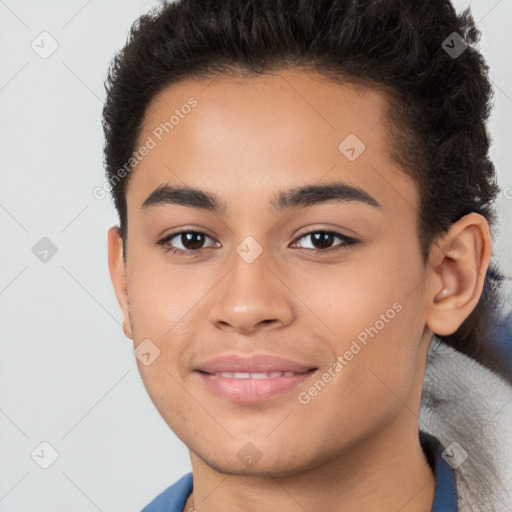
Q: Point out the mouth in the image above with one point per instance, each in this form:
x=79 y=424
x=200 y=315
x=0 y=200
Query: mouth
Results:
x=252 y=379
x=254 y=375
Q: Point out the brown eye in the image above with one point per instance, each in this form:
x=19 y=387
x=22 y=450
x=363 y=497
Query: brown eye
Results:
x=190 y=241
x=323 y=241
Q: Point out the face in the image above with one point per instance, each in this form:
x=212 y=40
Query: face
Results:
x=279 y=328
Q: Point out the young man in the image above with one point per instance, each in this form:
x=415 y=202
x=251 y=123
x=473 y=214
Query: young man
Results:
x=305 y=199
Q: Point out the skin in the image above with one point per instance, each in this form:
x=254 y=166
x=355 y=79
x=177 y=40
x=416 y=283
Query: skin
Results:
x=355 y=444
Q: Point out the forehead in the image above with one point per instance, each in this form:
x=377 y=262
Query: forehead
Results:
x=258 y=134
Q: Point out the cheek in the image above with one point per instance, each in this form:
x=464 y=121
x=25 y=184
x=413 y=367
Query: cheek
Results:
x=167 y=394
x=163 y=297
x=365 y=292
x=163 y=300
x=374 y=371
x=374 y=312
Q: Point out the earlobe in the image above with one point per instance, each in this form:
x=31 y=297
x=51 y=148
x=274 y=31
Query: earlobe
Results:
x=118 y=276
x=460 y=260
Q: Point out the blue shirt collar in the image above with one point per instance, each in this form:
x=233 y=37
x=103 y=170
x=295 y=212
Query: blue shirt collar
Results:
x=445 y=497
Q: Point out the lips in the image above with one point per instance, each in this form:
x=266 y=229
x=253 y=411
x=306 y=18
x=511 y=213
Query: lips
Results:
x=256 y=363
x=254 y=375
x=253 y=378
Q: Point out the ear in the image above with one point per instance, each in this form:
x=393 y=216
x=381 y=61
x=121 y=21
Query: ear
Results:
x=459 y=260
x=118 y=276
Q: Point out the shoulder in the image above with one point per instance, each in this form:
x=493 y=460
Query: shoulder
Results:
x=173 y=498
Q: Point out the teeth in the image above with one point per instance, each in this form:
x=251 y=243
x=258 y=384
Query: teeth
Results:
x=254 y=375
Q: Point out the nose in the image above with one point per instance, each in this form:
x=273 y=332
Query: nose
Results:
x=251 y=297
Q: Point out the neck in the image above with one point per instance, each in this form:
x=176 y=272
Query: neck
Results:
x=388 y=469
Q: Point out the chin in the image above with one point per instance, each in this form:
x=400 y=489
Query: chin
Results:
x=275 y=464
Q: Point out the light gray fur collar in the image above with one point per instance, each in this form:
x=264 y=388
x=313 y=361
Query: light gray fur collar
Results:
x=465 y=403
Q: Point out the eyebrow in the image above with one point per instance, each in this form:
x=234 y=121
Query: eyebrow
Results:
x=298 y=197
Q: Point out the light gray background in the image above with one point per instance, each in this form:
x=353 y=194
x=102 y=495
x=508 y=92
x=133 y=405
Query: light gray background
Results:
x=68 y=374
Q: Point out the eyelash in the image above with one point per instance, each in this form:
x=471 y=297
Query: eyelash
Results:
x=346 y=242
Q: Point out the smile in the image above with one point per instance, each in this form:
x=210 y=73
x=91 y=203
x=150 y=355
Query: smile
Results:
x=254 y=375
x=252 y=378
